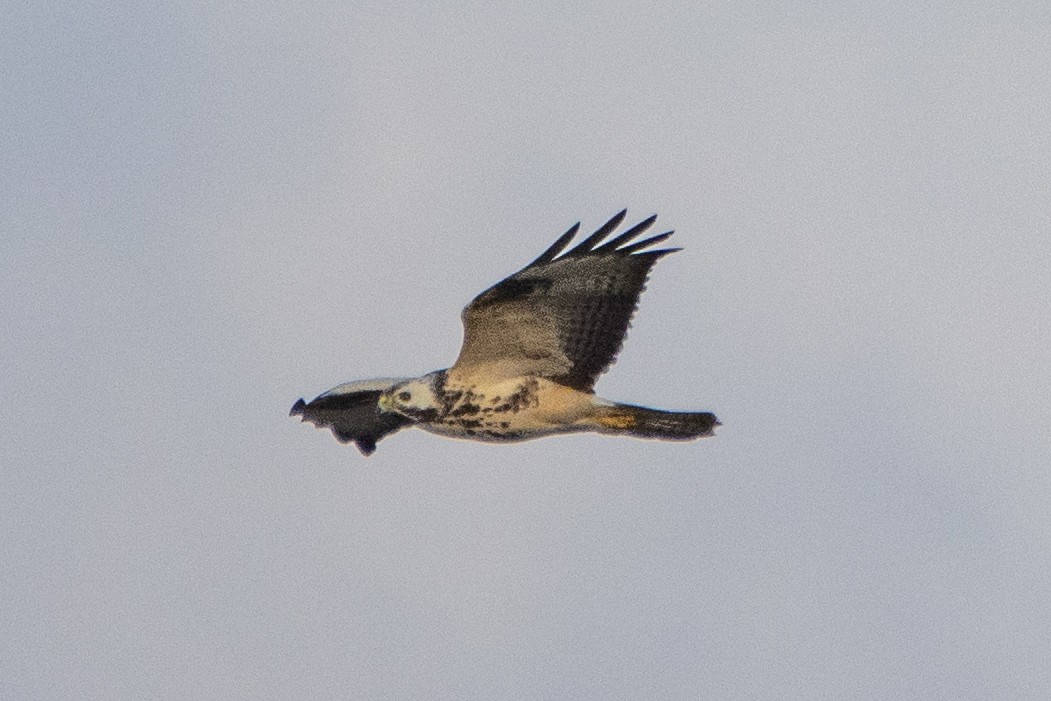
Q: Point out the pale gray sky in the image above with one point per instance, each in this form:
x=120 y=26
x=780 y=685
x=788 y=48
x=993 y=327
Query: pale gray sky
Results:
x=208 y=213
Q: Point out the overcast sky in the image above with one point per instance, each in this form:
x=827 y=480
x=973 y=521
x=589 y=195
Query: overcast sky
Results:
x=209 y=213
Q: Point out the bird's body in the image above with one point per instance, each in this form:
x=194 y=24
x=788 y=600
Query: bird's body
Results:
x=534 y=344
x=514 y=409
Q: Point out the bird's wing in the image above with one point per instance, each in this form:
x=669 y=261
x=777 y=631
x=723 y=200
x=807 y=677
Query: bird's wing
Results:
x=563 y=316
x=351 y=410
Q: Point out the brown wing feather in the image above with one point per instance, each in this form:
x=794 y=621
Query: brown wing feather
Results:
x=564 y=316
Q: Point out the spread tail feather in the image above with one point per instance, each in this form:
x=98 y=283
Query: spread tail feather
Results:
x=641 y=422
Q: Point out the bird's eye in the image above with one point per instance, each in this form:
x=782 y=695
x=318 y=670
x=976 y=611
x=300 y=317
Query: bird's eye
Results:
x=404 y=396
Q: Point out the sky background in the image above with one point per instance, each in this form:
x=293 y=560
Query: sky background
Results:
x=209 y=212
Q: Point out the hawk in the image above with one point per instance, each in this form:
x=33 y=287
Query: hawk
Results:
x=533 y=346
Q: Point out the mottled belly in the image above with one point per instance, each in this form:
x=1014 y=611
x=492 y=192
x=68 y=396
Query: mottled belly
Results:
x=507 y=412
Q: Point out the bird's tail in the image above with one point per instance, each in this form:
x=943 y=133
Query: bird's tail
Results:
x=641 y=422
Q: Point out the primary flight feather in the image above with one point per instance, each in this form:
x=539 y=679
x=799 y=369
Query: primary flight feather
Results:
x=534 y=344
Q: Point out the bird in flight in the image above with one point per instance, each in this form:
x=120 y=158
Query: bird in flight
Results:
x=533 y=346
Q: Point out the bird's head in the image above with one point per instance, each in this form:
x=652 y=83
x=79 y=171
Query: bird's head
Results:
x=416 y=398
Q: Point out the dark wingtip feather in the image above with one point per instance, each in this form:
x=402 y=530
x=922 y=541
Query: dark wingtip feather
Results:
x=628 y=235
x=652 y=257
x=660 y=252
x=586 y=246
x=594 y=242
x=557 y=247
x=645 y=243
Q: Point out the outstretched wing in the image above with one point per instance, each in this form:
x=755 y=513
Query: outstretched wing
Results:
x=351 y=410
x=563 y=316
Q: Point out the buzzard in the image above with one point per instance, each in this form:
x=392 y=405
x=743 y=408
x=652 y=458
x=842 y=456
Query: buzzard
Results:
x=533 y=346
